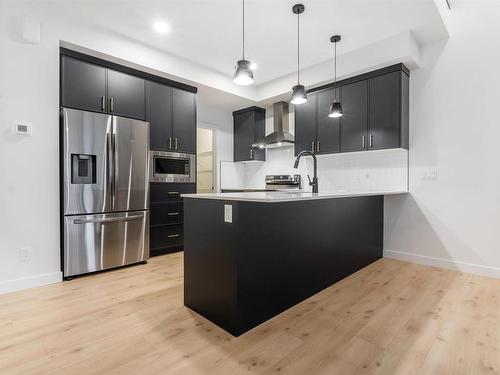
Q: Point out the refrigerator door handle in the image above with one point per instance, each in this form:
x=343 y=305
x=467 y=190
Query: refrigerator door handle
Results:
x=115 y=167
x=108 y=169
x=107 y=220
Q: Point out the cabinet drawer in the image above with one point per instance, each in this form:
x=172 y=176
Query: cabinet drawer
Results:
x=166 y=236
x=170 y=192
x=167 y=213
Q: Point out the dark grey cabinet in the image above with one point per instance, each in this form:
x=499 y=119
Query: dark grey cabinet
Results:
x=305 y=125
x=126 y=95
x=328 y=133
x=83 y=85
x=171 y=113
x=91 y=87
x=184 y=121
x=314 y=130
x=354 y=122
x=376 y=114
x=159 y=115
x=249 y=127
x=167 y=216
x=385 y=107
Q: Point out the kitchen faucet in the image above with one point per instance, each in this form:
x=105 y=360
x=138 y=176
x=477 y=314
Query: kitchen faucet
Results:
x=314 y=182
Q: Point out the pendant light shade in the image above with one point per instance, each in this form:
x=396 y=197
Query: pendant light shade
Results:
x=335 y=110
x=299 y=95
x=335 y=107
x=243 y=75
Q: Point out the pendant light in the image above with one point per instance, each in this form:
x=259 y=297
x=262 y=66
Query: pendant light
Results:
x=243 y=75
x=299 y=95
x=335 y=107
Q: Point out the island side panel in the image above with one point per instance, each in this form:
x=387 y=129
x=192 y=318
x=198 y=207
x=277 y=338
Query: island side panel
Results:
x=290 y=251
x=210 y=261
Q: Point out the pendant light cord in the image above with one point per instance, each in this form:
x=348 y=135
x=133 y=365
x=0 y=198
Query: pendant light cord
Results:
x=243 y=29
x=298 y=48
x=335 y=71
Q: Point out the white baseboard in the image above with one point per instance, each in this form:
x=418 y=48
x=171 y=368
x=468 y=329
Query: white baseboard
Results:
x=30 y=282
x=456 y=265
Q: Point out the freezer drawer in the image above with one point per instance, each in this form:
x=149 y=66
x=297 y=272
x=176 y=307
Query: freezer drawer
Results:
x=103 y=241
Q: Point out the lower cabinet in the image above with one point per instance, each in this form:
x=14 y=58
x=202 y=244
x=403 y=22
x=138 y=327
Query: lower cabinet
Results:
x=167 y=216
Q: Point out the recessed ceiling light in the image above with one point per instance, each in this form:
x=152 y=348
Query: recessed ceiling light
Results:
x=161 y=27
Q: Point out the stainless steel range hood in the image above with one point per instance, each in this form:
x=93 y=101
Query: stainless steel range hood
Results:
x=280 y=137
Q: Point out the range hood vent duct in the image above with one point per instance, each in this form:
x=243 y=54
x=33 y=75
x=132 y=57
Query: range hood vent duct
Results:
x=281 y=136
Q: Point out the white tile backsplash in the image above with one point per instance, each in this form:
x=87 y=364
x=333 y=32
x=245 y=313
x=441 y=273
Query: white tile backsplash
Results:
x=369 y=171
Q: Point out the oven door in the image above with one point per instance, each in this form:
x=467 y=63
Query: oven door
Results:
x=172 y=167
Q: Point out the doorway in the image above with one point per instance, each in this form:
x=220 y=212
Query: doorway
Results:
x=205 y=150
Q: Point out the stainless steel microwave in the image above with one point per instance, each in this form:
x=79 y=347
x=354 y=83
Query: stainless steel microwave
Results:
x=172 y=167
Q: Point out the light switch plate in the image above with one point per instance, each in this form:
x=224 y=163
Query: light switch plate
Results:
x=228 y=213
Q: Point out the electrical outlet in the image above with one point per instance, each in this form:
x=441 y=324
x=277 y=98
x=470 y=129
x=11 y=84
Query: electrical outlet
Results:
x=25 y=254
x=430 y=174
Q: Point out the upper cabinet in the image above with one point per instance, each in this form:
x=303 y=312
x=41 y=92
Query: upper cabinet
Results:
x=92 y=84
x=126 y=95
x=184 y=120
x=328 y=140
x=388 y=111
x=83 y=85
x=306 y=125
x=171 y=113
x=249 y=127
x=159 y=115
x=376 y=114
x=95 y=88
x=354 y=122
x=316 y=131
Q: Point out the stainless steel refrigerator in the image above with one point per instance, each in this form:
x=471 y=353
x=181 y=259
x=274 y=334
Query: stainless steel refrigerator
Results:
x=105 y=191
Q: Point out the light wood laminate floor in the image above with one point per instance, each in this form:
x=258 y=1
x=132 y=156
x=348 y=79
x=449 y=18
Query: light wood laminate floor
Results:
x=390 y=318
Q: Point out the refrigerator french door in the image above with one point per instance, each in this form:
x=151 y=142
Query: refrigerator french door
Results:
x=105 y=191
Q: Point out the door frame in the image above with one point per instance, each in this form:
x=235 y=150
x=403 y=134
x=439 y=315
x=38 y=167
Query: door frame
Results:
x=215 y=171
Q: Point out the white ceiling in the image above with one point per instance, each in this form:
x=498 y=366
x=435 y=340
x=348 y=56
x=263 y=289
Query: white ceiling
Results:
x=209 y=32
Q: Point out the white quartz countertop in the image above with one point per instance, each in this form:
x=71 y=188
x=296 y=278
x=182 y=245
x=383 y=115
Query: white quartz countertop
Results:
x=270 y=197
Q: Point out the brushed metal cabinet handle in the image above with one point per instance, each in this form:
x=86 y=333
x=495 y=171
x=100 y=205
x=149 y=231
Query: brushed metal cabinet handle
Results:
x=371 y=140
x=103 y=103
x=317 y=147
x=173 y=213
x=111 y=104
x=251 y=153
x=173 y=193
x=169 y=142
x=173 y=235
x=312 y=146
x=176 y=143
x=363 y=142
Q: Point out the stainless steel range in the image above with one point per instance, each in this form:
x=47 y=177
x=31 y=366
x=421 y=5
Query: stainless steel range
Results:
x=105 y=188
x=274 y=182
x=277 y=182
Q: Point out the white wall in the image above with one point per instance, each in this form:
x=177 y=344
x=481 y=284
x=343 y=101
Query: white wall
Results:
x=356 y=172
x=454 y=220
x=29 y=173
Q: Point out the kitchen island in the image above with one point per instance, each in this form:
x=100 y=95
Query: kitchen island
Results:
x=250 y=256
